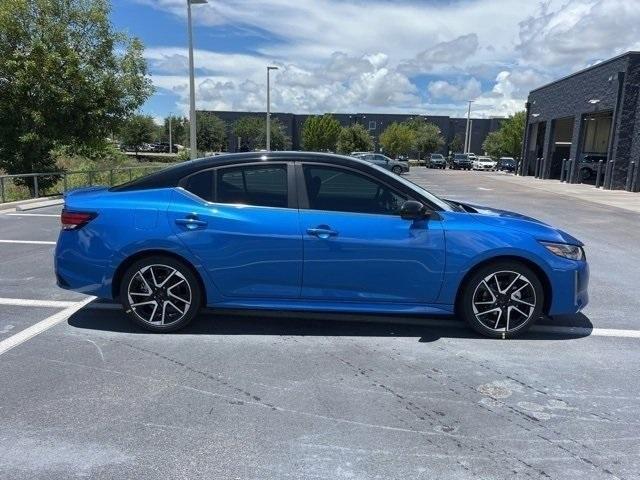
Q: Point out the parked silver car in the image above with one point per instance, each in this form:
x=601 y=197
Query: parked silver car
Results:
x=383 y=161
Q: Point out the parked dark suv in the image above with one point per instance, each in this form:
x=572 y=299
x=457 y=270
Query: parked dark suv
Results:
x=436 y=160
x=506 y=164
x=461 y=161
x=588 y=167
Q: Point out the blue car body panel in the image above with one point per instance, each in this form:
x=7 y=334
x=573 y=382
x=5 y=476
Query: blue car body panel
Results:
x=247 y=251
x=373 y=258
x=262 y=257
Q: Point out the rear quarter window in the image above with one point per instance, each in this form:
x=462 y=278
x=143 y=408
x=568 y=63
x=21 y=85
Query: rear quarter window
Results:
x=200 y=184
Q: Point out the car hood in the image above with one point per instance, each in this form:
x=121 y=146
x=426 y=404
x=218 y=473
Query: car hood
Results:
x=517 y=221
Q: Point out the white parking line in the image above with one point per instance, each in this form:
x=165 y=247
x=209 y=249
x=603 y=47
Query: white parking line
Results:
x=28 y=242
x=33 y=215
x=21 y=302
x=30 y=332
x=594 y=332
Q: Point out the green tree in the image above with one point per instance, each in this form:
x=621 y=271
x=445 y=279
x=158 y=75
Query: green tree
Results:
x=138 y=129
x=457 y=143
x=253 y=134
x=492 y=144
x=398 y=139
x=512 y=132
x=66 y=78
x=354 y=138
x=211 y=133
x=320 y=133
x=179 y=130
x=507 y=140
x=428 y=138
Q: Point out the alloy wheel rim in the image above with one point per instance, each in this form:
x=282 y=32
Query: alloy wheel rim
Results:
x=504 y=301
x=159 y=295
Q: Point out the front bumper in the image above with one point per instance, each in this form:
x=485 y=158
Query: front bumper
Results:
x=570 y=289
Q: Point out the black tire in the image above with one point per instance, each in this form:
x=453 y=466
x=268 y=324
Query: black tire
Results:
x=584 y=174
x=397 y=170
x=475 y=302
x=159 y=268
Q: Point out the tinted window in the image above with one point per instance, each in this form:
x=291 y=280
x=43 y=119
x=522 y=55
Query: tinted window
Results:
x=253 y=185
x=335 y=189
x=201 y=184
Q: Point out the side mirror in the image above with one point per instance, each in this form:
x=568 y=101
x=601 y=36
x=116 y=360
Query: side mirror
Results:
x=412 y=210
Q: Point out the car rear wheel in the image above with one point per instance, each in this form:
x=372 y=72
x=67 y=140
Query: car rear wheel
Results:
x=161 y=294
x=502 y=299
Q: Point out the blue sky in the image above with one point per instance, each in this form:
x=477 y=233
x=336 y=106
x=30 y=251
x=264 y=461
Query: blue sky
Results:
x=424 y=57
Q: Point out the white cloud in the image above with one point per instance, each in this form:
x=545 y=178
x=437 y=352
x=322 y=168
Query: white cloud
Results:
x=450 y=53
x=461 y=91
x=346 y=55
x=579 y=32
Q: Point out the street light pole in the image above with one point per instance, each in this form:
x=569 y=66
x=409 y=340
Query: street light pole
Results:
x=170 y=139
x=467 y=134
x=269 y=68
x=193 y=147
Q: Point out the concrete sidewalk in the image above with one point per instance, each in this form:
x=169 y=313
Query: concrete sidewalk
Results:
x=31 y=204
x=588 y=193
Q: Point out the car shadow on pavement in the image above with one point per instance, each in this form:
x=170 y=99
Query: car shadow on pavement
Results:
x=225 y=322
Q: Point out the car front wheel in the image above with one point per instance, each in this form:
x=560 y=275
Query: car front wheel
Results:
x=161 y=294
x=502 y=299
x=397 y=170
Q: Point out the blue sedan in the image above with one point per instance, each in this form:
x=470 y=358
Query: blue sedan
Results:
x=311 y=232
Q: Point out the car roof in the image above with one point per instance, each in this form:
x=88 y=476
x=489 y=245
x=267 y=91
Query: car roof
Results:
x=171 y=176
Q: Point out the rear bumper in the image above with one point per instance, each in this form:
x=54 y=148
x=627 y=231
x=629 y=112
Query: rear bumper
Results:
x=77 y=271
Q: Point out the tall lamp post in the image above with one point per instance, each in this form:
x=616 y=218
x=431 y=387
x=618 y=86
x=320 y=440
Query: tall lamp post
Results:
x=269 y=68
x=170 y=139
x=467 y=135
x=193 y=147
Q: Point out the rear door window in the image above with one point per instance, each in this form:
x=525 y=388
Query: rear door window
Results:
x=260 y=185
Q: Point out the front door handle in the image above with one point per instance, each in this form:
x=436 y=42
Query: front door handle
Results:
x=322 y=231
x=191 y=222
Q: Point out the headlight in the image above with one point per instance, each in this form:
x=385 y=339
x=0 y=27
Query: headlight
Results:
x=572 y=252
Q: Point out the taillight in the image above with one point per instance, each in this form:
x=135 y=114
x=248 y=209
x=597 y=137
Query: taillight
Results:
x=75 y=220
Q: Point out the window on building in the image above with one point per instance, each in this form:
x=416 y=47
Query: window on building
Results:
x=372 y=124
x=596 y=134
x=253 y=185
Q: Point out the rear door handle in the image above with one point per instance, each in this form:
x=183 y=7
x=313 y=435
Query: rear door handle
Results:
x=191 y=222
x=322 y=232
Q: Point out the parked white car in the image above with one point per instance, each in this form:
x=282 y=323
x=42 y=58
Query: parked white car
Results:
x=484 y=163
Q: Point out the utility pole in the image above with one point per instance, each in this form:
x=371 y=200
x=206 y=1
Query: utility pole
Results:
x=170 y=138
x=269 y=68
x=467 y=135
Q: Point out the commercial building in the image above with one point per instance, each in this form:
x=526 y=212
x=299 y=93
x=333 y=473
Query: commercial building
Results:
x=375 y=123
x=588 y=122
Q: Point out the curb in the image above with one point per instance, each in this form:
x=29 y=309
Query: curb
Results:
x=42 y=204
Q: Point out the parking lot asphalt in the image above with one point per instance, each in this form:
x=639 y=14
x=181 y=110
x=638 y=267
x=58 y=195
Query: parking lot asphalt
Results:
x=271 y=396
